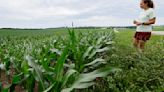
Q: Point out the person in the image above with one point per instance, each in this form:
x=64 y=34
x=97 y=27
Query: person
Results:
x=144 y=24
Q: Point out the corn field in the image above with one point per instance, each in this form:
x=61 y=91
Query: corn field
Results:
x=79 y=60
x=45 y=63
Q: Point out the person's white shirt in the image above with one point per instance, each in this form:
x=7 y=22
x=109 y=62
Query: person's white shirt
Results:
x=145 y=16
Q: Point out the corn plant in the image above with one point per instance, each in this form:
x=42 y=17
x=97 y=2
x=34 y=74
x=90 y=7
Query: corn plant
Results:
x=55 y=64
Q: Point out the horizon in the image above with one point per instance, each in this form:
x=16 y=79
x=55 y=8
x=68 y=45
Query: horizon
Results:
x=79 y=27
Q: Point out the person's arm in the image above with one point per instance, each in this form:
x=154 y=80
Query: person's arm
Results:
x=152 y=18
x=137 y=23
x=151 y=21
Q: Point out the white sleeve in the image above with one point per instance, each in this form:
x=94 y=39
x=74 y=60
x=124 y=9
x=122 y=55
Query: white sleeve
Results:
x=152 y=14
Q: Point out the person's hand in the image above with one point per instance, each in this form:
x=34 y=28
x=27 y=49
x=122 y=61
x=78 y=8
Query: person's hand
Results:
x=134 y=21
x=137 y=23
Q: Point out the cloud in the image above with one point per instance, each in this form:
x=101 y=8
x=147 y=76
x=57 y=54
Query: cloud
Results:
x=55 y=13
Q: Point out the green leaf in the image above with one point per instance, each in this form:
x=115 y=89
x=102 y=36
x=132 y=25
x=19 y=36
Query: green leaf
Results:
x=110 y=42
x=86 y=80
x=81 y=86
x=98 y=60
x=103 y=49
x=16 y=78
x=67 y=76
x=56 y=51
x=38 y=71
x=49 y=88
x=100 y=40
x=60 y=64
x=87 y=52
x=2 y=66
x=98 y=51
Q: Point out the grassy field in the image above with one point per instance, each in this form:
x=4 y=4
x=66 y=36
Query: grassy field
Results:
x=141 y=72
x=54 y=60
x=159 y=28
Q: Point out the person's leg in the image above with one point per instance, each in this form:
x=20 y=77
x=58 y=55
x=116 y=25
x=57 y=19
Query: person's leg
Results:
x=136 y=43
x=142 y=45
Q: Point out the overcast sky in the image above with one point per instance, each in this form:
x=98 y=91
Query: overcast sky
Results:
x=57 y=13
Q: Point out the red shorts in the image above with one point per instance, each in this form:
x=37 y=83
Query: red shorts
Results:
x=142 y=36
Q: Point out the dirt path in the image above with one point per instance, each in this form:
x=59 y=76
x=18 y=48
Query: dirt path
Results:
x=158 y=32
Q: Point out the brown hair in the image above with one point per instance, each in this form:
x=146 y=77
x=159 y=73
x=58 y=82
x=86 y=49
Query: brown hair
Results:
x=150 y=3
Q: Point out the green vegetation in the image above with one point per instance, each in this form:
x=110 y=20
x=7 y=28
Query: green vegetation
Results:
x=159 y=28
x=81 y=60
x=141 y=72
x=48 y=61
